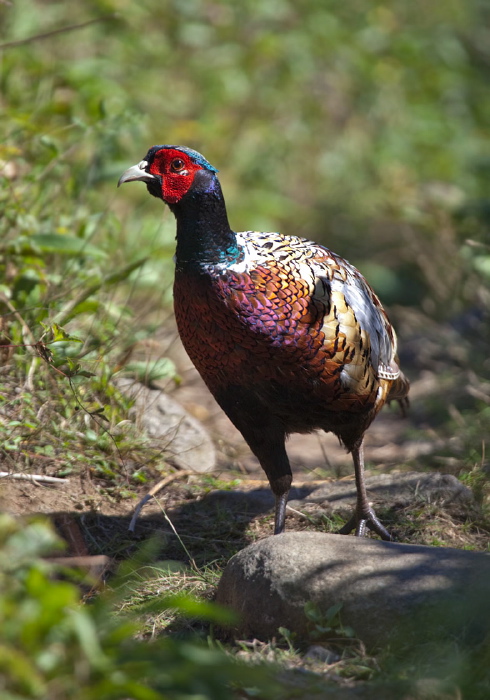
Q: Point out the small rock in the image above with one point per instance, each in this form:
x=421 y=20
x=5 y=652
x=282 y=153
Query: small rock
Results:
x=171 y=427
x=387 y=590
x=319 y=654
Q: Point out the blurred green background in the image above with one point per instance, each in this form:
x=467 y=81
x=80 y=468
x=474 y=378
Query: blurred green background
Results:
x=364 y=126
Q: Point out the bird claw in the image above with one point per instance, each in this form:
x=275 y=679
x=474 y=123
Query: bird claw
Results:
x=365 y=519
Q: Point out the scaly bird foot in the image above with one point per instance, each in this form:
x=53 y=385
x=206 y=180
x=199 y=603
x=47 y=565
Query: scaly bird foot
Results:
x=280 y=514
x=362 y=519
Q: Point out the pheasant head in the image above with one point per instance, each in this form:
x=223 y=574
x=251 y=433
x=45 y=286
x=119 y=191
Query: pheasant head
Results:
x=172 y=172
x=188 y=184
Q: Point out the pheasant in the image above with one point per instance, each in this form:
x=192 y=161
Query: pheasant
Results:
x=288 y=336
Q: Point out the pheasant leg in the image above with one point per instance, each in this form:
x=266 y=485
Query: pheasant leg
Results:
x=280 y=513
x=364 y=515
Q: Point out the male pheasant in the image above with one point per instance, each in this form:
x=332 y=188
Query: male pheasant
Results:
x=287 y=335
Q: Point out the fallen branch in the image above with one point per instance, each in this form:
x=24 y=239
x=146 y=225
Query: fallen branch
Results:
x=153 y=491
x=34 y=477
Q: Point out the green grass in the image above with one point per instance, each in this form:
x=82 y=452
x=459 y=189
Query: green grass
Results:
x=53 y=647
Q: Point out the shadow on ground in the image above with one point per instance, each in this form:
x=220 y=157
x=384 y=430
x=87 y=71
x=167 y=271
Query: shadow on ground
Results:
x=212 y=528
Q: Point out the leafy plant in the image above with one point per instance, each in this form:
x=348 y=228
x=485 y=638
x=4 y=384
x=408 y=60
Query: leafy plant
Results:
x=326 y=625
x=54 y=646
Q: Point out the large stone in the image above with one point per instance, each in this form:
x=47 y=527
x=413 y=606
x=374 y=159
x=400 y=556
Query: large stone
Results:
x=180 y=436
x=401 y=489
x=398 y=489
x=387 y=590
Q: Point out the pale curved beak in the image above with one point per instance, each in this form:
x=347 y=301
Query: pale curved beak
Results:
x=136 y=172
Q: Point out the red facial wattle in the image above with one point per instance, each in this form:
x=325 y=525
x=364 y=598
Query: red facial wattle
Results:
x=177 y=171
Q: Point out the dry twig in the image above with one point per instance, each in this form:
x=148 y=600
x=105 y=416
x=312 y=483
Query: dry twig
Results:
x=34 y=478
x=152 y=492
x=54 y=32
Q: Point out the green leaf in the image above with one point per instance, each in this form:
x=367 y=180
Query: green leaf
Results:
x=147 y=372
x=482 y=264
x=20 y=669
x=59 y=334
x=312 y=612
x=64 y=245
x=89 y=306
x=124 y=272
x=89 y=638
x=333 y=611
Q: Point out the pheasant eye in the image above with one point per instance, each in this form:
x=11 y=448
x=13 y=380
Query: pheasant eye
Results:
x=177 y=165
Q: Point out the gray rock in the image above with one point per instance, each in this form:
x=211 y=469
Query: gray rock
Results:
x=388 y=591
x=320 y=654
x=171 y=427
x=401 y=488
